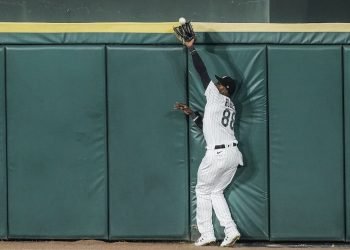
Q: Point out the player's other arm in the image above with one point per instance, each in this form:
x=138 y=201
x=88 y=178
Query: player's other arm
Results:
x=198 y=64
x=195 y=116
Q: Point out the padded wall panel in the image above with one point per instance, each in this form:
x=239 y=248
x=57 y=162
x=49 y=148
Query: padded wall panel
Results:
x=169 y=38
x=147 y=143
x=3 y=175
x=57 y=142
x=346 y=68
x=306 y=143
x=248 y=193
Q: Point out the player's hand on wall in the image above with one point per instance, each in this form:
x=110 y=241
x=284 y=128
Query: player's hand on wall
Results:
x=183 y=107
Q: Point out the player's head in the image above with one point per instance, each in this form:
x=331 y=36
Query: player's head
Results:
x=226 y=85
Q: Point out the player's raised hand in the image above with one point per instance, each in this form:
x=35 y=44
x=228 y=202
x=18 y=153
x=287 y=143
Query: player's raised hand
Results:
x=183 y=107
x=184 y=32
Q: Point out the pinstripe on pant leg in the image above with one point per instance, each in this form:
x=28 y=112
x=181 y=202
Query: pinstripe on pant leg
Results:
x=215 y=173
x=204 y=205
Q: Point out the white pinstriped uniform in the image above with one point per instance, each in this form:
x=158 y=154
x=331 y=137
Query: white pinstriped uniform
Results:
x=218 y=166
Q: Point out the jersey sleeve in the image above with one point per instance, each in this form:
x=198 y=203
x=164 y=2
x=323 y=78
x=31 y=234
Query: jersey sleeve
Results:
x=212 y=92
x=200 y=67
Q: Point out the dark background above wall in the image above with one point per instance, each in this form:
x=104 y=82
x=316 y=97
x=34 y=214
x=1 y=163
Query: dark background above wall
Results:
x=133 y=10
x=240 y=11
x=309 y=11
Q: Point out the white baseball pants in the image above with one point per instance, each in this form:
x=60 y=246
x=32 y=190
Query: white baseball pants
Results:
x=215 y=173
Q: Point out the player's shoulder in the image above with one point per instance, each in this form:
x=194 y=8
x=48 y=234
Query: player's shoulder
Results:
x=211 y=90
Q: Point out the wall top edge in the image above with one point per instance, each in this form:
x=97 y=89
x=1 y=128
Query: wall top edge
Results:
x=167 y=27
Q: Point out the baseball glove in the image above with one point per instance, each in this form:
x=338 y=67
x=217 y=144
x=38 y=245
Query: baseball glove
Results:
x=184 y=32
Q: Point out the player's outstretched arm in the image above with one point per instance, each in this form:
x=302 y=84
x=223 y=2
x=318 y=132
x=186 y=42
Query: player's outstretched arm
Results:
x=195 y=116
x=185 y=34
x=198 y=64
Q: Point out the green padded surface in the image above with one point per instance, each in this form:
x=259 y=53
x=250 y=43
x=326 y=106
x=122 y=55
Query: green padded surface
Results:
x=248 y=193
x=3 y=176
x=57 y=142
x=148 y=168
x=306 y=143
x=347 y=135
x=169 y=38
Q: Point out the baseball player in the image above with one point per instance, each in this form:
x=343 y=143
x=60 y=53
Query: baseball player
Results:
x=222 y=157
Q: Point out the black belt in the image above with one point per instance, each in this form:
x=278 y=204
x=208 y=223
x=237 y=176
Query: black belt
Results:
x=224 y=145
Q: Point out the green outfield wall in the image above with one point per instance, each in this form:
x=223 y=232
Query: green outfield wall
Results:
x=3 y=168
x=305 y=101
x=56 y=142
x=90 y=146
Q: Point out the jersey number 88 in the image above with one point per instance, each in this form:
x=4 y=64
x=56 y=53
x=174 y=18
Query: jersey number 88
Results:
x=226 y=118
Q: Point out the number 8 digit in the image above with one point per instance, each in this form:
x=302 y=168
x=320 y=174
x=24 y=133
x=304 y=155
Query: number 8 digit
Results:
x=225 y=117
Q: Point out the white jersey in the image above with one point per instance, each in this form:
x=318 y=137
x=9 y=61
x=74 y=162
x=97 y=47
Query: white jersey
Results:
x=219 y=118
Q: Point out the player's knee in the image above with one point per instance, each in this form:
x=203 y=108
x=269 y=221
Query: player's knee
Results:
x=215 y=194
x=201 y=191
